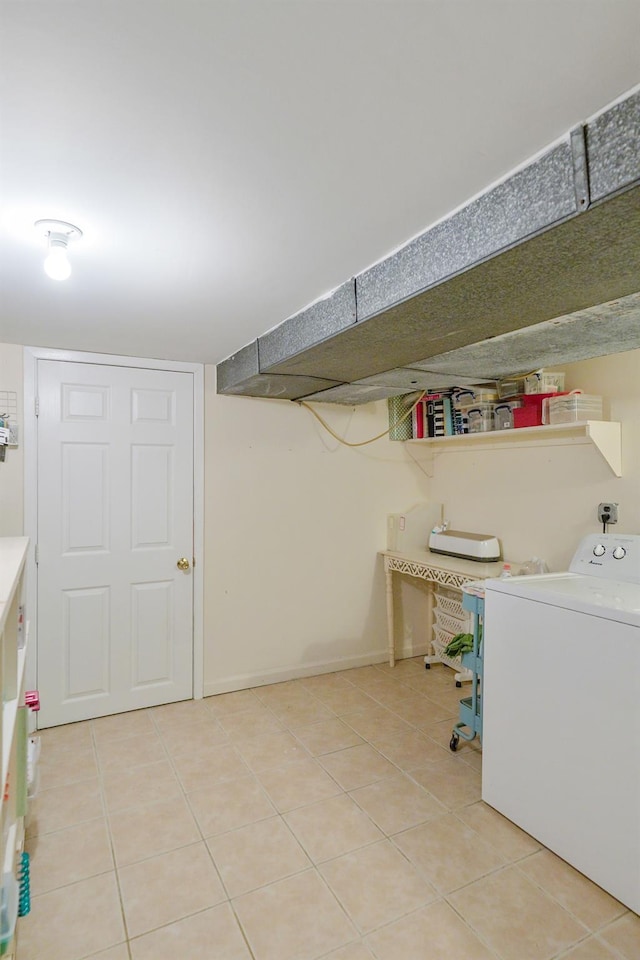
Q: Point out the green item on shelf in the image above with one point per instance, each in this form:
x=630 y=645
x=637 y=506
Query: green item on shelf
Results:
x=461 y=643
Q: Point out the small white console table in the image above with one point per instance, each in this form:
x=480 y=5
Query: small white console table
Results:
x=434 y=568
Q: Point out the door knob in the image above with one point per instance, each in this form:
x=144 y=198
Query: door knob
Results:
x=183 y=564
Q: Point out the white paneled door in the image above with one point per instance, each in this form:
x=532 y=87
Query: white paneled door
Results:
x=115 y=535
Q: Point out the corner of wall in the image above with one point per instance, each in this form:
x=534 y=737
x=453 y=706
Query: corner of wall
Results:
x=12 y=469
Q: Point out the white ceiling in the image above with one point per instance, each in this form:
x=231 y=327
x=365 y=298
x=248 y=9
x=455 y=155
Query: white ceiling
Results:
x=231 y=162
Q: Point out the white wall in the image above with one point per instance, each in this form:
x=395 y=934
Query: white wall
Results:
x=540 y=500
x=293 y=523
x=12 y=470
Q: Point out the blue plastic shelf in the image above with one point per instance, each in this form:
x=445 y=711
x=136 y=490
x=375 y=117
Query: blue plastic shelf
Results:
x=469 y=725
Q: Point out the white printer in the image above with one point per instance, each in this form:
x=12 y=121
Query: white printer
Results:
x=470 y=546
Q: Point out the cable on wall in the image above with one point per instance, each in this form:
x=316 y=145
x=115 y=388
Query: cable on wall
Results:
x=362 y=443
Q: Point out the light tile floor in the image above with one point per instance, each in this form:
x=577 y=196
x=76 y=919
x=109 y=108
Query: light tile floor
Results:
x=318 y=818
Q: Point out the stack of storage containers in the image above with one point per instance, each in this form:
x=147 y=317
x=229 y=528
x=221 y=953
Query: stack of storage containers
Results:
x=474 y=410
x=517 y=402
x=523 y=398
x=571 y=407
x=451 y=619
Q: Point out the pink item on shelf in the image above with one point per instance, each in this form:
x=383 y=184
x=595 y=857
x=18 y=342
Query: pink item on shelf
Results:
x=32 y=699
x=530 y=413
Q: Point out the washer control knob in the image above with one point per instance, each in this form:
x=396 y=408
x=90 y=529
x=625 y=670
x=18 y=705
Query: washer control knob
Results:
x=619 y=553
x=599 y=550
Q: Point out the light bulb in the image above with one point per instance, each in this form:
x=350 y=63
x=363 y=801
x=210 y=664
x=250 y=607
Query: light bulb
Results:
x=57 y=265
x=58 y=234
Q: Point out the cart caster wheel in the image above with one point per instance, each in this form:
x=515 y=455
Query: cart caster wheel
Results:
x=458 y=683
x=453 y=743
x=427 y=666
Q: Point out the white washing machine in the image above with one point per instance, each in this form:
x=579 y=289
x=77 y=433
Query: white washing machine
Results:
x=561 y=710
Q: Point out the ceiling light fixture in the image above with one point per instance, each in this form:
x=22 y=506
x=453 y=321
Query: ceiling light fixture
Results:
x=58 y=234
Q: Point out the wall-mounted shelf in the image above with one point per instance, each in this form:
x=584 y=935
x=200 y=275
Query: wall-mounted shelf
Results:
x=605 y=435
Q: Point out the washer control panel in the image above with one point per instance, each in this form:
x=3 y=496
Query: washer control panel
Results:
x=611 y=555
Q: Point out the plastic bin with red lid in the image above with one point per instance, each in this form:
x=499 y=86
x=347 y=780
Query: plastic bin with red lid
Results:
x=530 y=413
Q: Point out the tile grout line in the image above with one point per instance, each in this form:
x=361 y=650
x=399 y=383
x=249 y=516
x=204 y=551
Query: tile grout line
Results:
x=507 y=863
x=598 y=939
x=441 y=898
x=554 y=956
x=552 y=896
x=103 y=800
x=470 y=926
x=588 y=934
x=312 y=864
x=390 y=838
x=448 y=810
x=206 y=846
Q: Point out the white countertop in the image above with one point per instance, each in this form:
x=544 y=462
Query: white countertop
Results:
x=474 y=569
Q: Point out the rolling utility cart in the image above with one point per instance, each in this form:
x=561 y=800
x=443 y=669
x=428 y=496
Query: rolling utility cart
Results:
x=470 y=724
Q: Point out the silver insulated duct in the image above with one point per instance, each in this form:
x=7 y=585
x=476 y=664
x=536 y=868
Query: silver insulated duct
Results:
x=542 y=269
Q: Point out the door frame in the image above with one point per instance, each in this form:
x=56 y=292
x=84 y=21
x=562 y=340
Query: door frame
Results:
x=31 y=356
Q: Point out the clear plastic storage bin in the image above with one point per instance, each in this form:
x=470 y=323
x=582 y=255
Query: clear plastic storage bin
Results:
x=571 y=408
x=466 y=399
x=503 y=414
x=511 y=387
x=480 y=417
x=544 y=381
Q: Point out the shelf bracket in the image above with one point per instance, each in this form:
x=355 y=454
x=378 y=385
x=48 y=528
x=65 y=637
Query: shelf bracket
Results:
x=606 y=437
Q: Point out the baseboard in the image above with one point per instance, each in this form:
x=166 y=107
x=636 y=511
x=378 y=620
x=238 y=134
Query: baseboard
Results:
x=408 y=650
x=243 y=681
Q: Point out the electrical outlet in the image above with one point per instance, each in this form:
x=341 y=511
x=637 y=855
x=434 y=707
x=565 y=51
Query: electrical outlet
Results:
x=608 y=512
